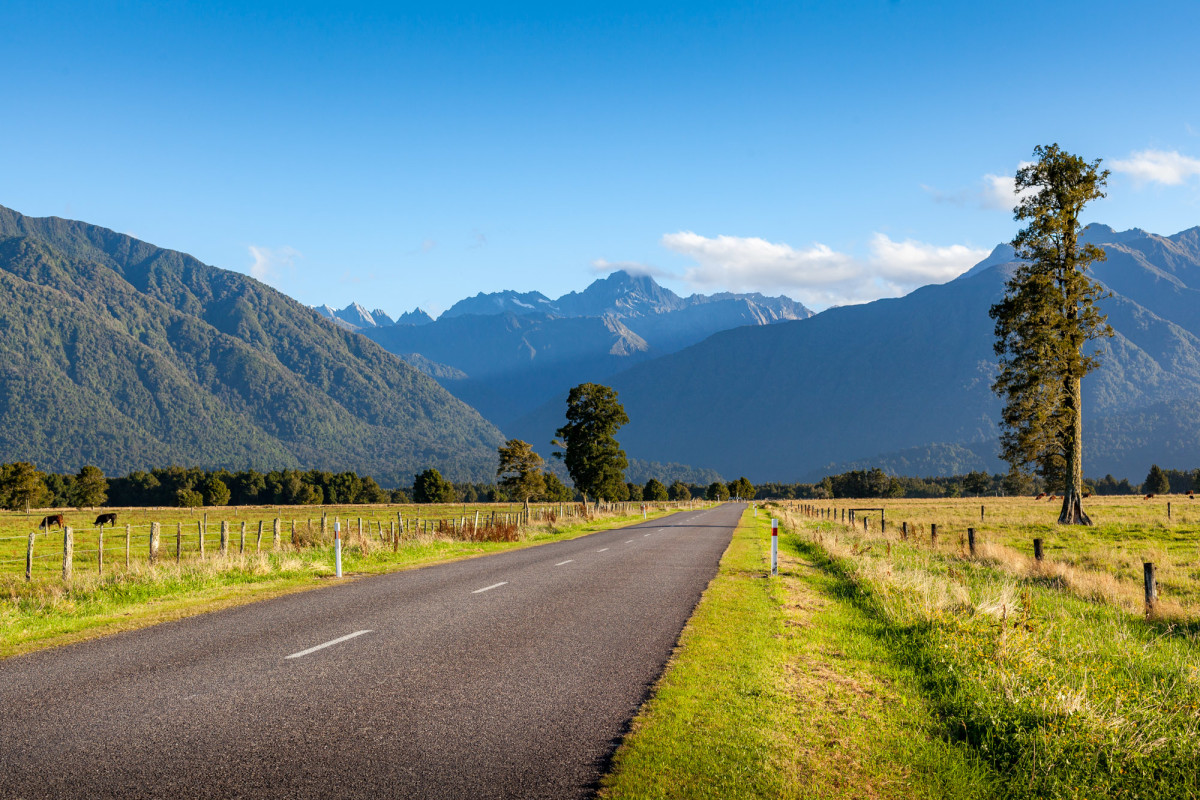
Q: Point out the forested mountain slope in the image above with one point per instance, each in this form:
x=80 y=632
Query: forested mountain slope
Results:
x=121 y=354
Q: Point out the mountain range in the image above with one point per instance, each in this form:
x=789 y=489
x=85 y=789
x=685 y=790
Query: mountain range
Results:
x=506 y=353
x=125 y=355
x=905 y=383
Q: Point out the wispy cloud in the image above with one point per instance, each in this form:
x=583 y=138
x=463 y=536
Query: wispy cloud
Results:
x=603 y=267
x=1170 y=168
x=818 y=275
x=992 y=192
x=271 y=265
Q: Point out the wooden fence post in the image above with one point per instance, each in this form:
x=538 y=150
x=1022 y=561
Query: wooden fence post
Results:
x=242 y=540
x=933 y=534
x=258 y=542
x=295 y=539
x=971 y=541
x=276 y=532
x=904 y=530
x=155 y=530
x=100 y=552
x=178 y=541
x=224 y=537
x=1037 y=549
x=29 y=558
x=128 y=539
x=200 y=536
x=981 y=513
x=1151 y=585
x=68 y=553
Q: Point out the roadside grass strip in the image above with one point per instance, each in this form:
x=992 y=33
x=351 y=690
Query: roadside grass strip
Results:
x=48 y=612
x=784 y=688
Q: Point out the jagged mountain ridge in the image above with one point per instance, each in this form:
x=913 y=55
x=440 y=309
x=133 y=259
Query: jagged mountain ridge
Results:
x=905 y=383
x=518 y=349
x=125 y=355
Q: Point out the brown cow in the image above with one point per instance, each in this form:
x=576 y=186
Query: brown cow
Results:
x=1040 y=496
x=53 y=519
x=106 y=519
x=1148 y=497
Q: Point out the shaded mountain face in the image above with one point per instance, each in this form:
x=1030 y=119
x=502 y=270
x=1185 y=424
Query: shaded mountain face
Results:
x=519 y=349
x=124 y=355
x=905 y=383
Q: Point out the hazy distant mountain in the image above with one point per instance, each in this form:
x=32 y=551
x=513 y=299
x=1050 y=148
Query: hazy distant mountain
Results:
x=127 y=356
x=519 y=349
x=905 y=383
x=414 y=317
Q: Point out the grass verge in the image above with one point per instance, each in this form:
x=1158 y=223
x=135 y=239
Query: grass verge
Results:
x=48 y=612
x=784 y=688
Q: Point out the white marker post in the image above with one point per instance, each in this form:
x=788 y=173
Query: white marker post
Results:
x=645 y=514
x=337 y=547
x=774 y=547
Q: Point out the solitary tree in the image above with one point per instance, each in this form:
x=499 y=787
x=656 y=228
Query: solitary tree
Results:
x=520 y=471
x=1157 y=481
x=679 y=491
x=1048 y=314
x=22 y=486
x=595 y=462
x=557 y=491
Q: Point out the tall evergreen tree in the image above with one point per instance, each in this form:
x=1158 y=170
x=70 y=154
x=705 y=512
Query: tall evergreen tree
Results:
x=1047 y=316
x=594 y=459
x=1157 y=481
x=520 y=471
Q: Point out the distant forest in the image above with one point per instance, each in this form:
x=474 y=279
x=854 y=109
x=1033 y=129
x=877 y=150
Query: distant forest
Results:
x=23 y=486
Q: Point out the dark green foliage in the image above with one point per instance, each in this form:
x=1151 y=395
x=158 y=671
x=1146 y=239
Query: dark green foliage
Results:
x=654 y=491
x=147 y=356
x=741 y=488
x=556 y=491
x=1156 y=481
x=400 y=496
x=520 y=470
x=430 y=487
x=90 y=488
x=977 y=483
x=188 y=498
x=1110 y=485
x=215 y=492
x=632 y=492
x=1049 y=312
x=594 y=460
x=22 y=486
x=865 y=483
x=717 y=491
x=679 y=491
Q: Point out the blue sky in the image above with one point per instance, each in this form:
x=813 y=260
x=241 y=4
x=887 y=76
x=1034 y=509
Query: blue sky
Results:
x=401 y=155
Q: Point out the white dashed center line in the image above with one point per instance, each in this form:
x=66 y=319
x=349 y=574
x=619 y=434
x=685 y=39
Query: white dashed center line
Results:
x=487 y=588
x=629 y=542
x=602 y=549
x=327 y=644
x=568 y=561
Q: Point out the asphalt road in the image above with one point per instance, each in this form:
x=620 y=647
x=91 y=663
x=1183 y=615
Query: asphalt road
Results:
x=512 y=675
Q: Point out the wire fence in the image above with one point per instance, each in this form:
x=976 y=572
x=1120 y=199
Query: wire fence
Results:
x=46 y=551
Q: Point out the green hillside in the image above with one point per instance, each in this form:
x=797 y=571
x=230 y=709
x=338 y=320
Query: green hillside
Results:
x=118 y=353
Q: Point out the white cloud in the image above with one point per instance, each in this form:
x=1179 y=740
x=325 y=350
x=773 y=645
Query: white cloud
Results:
x=818 y=275
x=601 y=266
x=1158 y=166
x=270 y=265
x=992 y=193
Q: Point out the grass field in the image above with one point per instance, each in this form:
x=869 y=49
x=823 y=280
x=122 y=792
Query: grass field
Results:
x=883 y=666
x=48 y=611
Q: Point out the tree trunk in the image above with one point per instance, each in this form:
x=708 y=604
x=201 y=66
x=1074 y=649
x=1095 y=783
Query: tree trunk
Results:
x=1072 y=507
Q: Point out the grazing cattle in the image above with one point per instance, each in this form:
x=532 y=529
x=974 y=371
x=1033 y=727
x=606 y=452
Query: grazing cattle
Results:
x=106 y=519
x=1148 y=497
x=1051 y=497
x=1040 y=496
x=53 y=519
x=1086 y=495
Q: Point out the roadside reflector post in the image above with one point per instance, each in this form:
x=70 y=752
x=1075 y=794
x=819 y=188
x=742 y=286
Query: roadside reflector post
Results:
x=774 y=546
x=337 y=547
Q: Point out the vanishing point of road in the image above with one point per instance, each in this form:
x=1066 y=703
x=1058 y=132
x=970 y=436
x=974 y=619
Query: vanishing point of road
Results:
x=506 y=676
